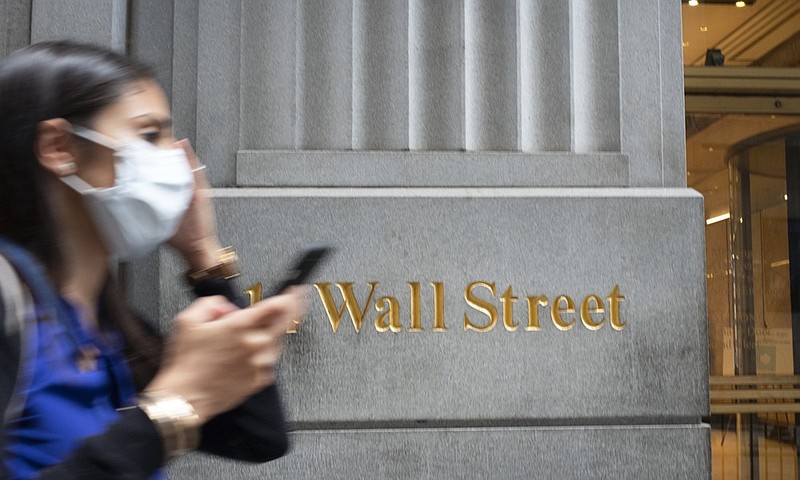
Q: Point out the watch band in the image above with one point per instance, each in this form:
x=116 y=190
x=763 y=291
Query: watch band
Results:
x=174 y=418
x=227 y=267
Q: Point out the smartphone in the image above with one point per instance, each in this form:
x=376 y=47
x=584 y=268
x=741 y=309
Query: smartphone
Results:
x=302 y=268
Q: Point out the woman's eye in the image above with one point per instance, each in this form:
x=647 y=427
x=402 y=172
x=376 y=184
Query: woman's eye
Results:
x=151 y=136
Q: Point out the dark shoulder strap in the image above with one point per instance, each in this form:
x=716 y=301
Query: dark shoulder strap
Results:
x=40 y=302
x=33 y=275
x=11 y=305
x=15 y=307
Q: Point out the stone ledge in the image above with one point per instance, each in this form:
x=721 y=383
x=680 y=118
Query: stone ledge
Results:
x=268 y=168
x=651 y=452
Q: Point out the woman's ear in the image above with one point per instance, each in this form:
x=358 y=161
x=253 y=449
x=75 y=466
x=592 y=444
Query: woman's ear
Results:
x=54 y=147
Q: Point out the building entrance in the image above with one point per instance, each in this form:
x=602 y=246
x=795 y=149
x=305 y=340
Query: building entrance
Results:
x=747 y=166
x=742 y=90
x=753 y=360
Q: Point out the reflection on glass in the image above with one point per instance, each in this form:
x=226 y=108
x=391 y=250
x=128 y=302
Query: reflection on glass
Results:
x=762 y=302
x=763 y=249
x=748 y=169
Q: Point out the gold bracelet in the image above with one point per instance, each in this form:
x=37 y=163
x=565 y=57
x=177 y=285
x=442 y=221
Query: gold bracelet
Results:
x=174 y=418
x=227 y=267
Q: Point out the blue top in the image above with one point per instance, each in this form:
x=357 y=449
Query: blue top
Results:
x=78 y=379
x=63 y=412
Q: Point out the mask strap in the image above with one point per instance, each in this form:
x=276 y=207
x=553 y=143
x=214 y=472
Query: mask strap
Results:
x=77 y=183
x=94 y=137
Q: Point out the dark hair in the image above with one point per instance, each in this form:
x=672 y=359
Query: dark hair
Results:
x=43 y=81
x=71 y=81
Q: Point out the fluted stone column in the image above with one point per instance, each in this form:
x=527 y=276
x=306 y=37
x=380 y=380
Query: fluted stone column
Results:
x=269 y=113
x=324 y=75
x=84 y=20
x=380 y=75
x=15 y=25
x=545 y=90
x=595 y=75
x=435 y=75
x=490 y=75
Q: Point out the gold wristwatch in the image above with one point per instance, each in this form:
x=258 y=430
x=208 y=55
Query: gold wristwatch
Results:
x=174 y=418
x=226 y=267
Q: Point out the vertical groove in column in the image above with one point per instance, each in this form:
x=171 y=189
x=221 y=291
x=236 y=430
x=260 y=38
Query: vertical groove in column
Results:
x=324 y=74
x=380 y=74
x=15 y=25
x=151 y=26
x=184 y=69
x=218 y=71
x=119 y=25
x=268 y=75
x=595 y=75
x=669 y=113
x=80 y=20
x=436 y=75
x=6 y=21
x=545 y=100
x=490 y=74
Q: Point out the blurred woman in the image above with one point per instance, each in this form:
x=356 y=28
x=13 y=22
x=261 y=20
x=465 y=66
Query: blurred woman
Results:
x=89 y=174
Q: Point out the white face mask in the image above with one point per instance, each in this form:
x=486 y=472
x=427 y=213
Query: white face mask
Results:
x=151 y=194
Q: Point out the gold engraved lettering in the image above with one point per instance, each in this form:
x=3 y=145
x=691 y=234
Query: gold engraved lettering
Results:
x=533 y=312
x=508 y=300
x=587 y=310
x=592 y=312
x=556 y=310
x=393 y=312
x=438 y=307
x=253 y=293
x=480 y=305
x=613 y=309
x=354 y=309
x=416 y=324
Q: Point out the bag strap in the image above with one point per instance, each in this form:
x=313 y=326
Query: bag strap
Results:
x=17 y=308
x=34 y=277
x=13 y=294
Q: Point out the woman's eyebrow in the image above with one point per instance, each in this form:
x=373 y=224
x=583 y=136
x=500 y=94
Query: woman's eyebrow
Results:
x=164 y=122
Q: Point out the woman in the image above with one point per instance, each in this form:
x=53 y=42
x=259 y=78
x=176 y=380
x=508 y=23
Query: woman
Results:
x=89 y=174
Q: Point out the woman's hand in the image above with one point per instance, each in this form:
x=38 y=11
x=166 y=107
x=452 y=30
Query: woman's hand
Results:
x=219 y=355
x=196 y=239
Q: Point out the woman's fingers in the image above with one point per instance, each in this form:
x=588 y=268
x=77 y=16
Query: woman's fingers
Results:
x=198 y=168
x=186 y=145
x=206 y=309
x=274 y=313
x=219 y=354
x=300 y=304
x=196 y=238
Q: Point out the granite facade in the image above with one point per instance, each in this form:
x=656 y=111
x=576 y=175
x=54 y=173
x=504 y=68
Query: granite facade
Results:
x=649 y=368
